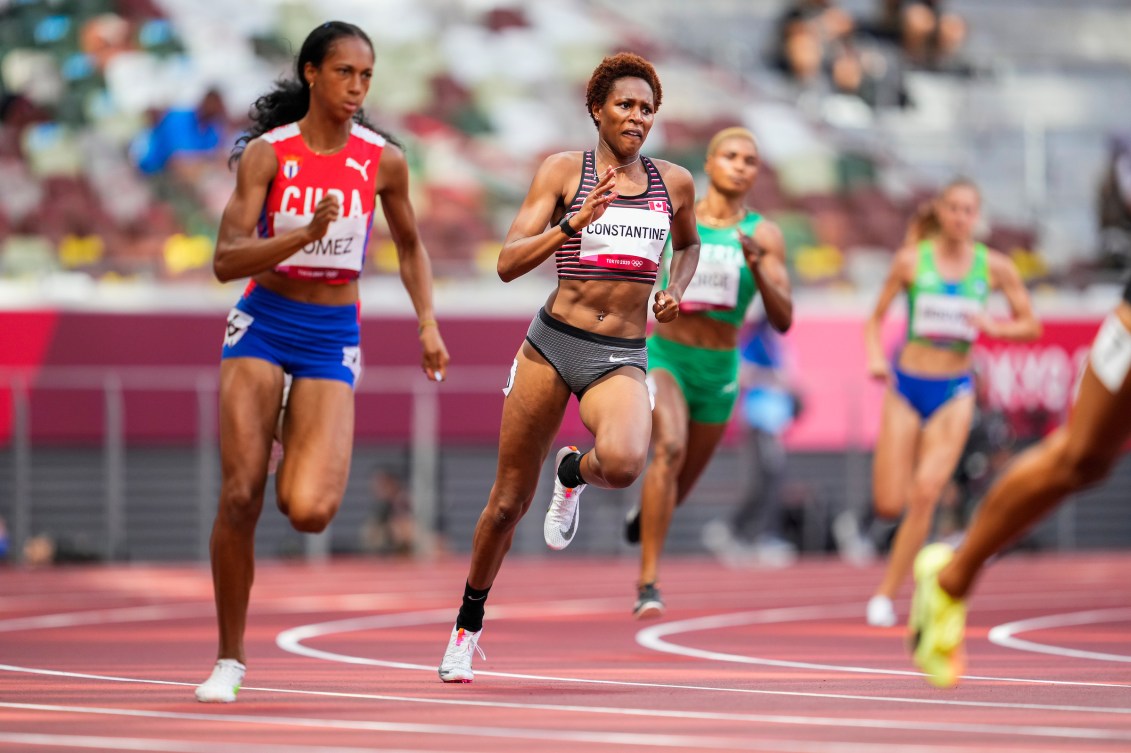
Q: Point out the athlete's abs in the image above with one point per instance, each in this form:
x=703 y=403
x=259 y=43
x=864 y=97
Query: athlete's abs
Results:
x=309 y=291
x=603 y=307
x=921 y=358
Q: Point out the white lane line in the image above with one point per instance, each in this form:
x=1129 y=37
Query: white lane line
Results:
x=190 y=610
x=632 y=739
x=654 y=638
x=392 y=601
x=97 y=742
x=292 y=640
x=1006 y=635
x=930 y=701
x=595 y=736
x=105 y=616
x=168 y=746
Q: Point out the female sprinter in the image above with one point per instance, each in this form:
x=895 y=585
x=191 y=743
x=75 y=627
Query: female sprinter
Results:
x=298 y=222
x=605 y=215
x=927 y=410
x=693 y=361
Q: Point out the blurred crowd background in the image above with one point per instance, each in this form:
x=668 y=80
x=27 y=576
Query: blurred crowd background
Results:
x=118 y=117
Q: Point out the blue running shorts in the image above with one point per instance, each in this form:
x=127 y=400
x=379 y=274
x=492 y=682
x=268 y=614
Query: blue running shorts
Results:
x=927 y=394
x=307 y=340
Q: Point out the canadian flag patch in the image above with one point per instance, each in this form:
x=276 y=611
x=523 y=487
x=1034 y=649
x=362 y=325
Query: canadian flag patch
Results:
x=658 y=205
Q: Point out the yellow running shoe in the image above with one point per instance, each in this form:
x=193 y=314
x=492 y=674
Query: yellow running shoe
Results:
x=936 y=627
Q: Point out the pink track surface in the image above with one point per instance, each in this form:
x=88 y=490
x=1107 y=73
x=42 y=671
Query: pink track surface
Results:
x=342 y=658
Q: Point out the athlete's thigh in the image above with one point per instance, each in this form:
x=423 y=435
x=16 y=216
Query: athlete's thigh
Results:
x=944 y=436
x=894 y=457
x=616 y=409
x=251 y=391
x=1100 y=422
x=317 y=440
x=670 y=413
x=532 y=414
x=702 y=439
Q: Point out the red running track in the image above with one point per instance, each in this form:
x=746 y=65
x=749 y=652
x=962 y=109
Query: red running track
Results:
x=342 y=659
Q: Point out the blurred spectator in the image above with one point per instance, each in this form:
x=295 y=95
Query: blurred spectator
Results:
x=183 y=132
x=17 y=113
x=103 y=37
x=391 y=527
x=1115 y=206
x=44 y=549
x=455 y=104
x=815 y=47
x=39 y=551
x=927 y=32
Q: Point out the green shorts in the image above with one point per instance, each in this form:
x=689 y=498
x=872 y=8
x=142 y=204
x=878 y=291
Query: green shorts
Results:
x=707 y=378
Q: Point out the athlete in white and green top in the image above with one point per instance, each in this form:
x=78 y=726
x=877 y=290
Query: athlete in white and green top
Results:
x=942 y=313
x=693 y=360
x=930 y=401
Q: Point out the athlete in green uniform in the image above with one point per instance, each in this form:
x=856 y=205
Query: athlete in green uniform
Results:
x=928 y=408
x=693 y=360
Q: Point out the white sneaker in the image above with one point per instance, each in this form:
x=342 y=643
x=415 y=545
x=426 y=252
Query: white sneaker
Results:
x=717 y=537
x=852 y=546
x=563 y=514
x=222 y=686
x=774 y=552
x=881 y=612
x=462 y=647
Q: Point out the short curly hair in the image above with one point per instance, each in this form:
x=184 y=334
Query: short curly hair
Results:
x=613 y=67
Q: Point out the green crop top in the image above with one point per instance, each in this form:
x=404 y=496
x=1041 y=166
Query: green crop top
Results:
x=938 y=310
x=723 y=285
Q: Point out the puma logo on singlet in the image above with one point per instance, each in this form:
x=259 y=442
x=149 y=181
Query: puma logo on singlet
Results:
x=363 y=169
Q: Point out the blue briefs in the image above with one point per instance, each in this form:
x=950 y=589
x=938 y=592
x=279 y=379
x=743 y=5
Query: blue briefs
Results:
x=307 y=340
x=927 y=394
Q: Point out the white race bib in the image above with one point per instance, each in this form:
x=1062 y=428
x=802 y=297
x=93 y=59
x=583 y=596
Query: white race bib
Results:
x=624 y=238
x=342 y=247
x=945 y=317
x=715 y=282
x=1110 y=358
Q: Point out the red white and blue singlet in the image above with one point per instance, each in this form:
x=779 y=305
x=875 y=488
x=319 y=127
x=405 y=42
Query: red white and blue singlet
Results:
x=626 y=243
x=303 y=178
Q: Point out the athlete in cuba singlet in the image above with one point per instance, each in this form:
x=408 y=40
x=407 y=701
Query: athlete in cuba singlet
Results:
x=693 y=361
x=605 y=216
x=302 y=180
x=308 y=340
x=929 y=405
x=298 y=224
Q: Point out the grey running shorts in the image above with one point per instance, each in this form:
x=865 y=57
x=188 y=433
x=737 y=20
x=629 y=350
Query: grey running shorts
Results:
x=581 y=357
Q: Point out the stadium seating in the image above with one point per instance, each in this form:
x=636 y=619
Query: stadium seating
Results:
x=84 y=83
